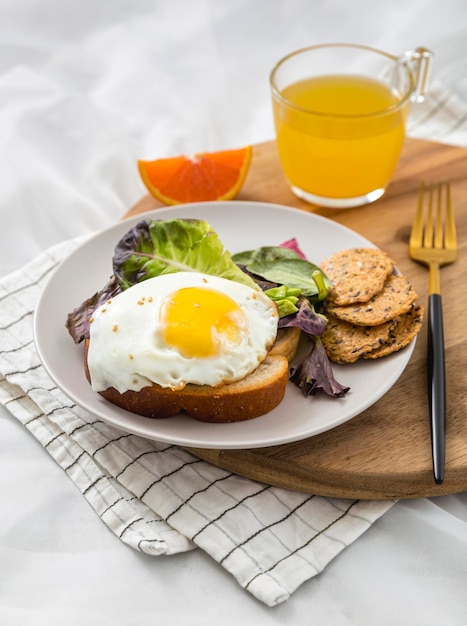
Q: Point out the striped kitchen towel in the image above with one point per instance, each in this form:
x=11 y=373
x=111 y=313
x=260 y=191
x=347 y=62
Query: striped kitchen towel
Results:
x=442 y=116
x=159 y=498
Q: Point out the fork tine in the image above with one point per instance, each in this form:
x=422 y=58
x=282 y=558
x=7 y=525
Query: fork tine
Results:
x=428 y=235
x=450 y=233
x=438 y=240
x=416 y=235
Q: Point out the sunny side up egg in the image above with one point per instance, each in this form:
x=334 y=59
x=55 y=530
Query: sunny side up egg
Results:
x=180 y=328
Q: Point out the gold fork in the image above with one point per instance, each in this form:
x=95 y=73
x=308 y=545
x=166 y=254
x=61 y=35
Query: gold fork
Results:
x=433 y=242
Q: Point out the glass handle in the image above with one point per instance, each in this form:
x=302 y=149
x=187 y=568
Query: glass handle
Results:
x=420 y=62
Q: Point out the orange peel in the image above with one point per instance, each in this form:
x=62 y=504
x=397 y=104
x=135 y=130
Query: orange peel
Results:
x=203 y=177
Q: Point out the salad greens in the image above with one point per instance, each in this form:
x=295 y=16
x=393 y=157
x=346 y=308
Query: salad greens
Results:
x=314 y=372
x=78 y=320
x=284 y=266
x=155 y=247
x=285 y=298
x=299 y=287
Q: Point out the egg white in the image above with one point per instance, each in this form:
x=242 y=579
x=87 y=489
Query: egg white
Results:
x=127 y=350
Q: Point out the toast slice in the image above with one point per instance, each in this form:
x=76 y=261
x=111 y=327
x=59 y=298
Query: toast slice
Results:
x=257 y=394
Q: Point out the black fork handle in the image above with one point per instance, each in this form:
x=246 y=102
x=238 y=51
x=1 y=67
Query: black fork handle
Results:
x=437 y=385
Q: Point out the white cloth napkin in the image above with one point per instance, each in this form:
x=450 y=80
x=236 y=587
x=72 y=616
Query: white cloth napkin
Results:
x=159 y=498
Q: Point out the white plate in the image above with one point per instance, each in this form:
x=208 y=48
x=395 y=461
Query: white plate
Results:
x=241 y=226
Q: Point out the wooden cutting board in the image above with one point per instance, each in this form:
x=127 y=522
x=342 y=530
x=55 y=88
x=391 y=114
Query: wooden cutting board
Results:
x=385 y=452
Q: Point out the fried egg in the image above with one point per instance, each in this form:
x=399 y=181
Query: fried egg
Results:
x=180 y=328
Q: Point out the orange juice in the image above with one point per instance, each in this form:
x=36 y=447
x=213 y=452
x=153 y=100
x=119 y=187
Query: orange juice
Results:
x=339 y=136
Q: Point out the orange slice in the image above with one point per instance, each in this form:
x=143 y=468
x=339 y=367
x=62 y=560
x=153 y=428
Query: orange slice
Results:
x=202 y=177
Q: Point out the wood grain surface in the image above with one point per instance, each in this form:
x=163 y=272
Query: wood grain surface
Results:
x=385 y=452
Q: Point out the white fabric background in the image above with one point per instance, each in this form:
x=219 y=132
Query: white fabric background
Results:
x=85 y=89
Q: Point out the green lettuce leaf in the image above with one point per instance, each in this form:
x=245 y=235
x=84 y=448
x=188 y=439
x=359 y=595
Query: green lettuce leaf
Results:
x=285 y=267
x=155 y=247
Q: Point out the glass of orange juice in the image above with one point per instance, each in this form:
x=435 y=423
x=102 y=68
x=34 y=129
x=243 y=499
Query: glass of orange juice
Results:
x=340 y=113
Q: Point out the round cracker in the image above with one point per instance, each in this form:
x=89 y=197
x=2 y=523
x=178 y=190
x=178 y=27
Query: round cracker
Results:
x=345 y=343
x=357 y=274
x=395 y=299
x=405 y=329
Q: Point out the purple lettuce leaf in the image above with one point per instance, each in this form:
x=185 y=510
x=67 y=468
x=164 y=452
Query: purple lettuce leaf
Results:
x=77 y=322
x=306 y=318
x=314 y=372
x=292 y=244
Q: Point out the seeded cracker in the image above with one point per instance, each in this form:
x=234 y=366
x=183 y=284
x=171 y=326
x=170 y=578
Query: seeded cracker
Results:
x=357 y=274
x=406 y=328
x=395 y=299
x=345 y=343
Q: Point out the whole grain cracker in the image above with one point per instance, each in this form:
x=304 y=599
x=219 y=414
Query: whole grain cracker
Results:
x=405 y=329
x=396 y=298
x=357 y=274
x=345 y=343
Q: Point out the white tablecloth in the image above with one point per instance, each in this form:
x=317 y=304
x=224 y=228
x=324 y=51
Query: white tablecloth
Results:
x=85 y=90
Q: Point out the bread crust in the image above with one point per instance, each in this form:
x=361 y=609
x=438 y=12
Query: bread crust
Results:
x=257 y=394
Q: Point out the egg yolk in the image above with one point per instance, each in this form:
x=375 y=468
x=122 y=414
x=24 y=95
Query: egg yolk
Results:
x=194 y=318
